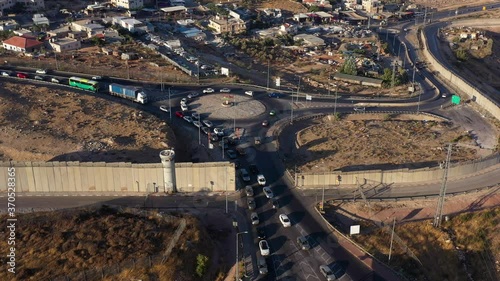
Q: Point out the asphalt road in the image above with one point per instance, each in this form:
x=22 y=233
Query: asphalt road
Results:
x=287 y=261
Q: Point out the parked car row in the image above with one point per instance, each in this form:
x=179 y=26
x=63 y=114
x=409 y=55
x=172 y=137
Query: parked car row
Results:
x=23 y=75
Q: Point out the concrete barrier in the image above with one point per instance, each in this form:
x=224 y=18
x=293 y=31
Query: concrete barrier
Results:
x=461 y=85
x=395 y=176
x=73 y=177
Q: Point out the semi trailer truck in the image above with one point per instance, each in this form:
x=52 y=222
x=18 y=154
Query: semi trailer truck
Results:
x=128 y=92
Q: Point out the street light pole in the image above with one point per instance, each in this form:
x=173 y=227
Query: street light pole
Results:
x=225 y=185
x=238 y=256
x=418 y=105
x=414 y=68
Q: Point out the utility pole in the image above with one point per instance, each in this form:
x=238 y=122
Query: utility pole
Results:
x=393 y=74
x=392 y=238
x=298 y=89
x=291 y=111
x=335 y=105
x=418 y=104
x=442 y=193
x=414 y=68
x=425 y=15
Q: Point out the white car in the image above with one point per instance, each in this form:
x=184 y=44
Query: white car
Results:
x=264 y=248
x=184 y=107
x=268 y=192
x=4 y=73
x=285 y=221
x=261 y=179
x=41 y=71
x=184 y=101
x=162 y=108
x=249 y=93
x=192 y=95
x=188 y=119
x=96 y=77
x=208 y=123
x=208 y=90
x=225 y=90
x=254 y=218
x=219 y=131
x=54 y=80
x=197 y=124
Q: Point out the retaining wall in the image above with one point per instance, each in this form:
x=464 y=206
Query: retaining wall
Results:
x=73 y=177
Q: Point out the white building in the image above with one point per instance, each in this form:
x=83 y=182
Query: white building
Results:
x=129 y=4
x=40 y=19
x=130 y=24
x=8 y=25
x=60 y=45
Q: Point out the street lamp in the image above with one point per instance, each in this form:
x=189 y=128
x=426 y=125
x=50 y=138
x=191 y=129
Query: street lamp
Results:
x=169 y=105
x=237 y=255
x=234 y=115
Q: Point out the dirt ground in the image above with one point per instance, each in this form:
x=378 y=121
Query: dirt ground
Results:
x=58 y=244
x=377 y=140
x=50 y=124
x=451 y=4
x=469 y=239
x=482 y=70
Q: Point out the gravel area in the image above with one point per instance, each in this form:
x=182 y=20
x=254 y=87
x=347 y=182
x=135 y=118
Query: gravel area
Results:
x=211 y=106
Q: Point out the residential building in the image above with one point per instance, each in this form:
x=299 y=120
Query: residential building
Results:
x=24 y=32
x=130 y=24
x=310 y=40
x=59 y=32
x=90 y=27
x=31 y=5
x=129 y=4
x=287 y=28
x=22 y=44
x=64 y=44
x=372 y=6
x=6 y=25
x=40 y=19
x=227 y=25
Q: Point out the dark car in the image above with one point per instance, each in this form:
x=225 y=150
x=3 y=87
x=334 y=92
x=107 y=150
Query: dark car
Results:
x=275 y=95
x=261 y=234
x=253 y=169
x=275 y=203
x=265 y=123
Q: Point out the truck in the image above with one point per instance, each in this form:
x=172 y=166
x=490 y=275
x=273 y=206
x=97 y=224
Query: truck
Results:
x=128 y=92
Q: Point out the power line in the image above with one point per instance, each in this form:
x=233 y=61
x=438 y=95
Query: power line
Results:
x=442 y=193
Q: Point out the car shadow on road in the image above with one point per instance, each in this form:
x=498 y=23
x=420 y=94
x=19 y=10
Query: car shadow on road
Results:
x=296 y=217
x=271 y=229
x=277 y=242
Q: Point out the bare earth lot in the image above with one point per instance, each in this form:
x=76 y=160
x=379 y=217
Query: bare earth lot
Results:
x=373 y=141
x=104 y=241
x=43 y=124
x=466 y=244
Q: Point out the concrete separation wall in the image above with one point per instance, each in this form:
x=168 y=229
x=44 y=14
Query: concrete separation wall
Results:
x=309 y=180
x=73 y=177
x=465 y=87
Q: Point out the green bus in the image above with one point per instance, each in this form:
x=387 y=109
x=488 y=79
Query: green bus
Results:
x=83 y=83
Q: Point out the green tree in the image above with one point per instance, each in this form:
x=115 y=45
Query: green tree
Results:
x=313 y=8
x=201 y=264
x=461 y=55
x=349 y=66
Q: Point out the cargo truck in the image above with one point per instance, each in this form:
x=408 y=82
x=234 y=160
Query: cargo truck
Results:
x=128 y=92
